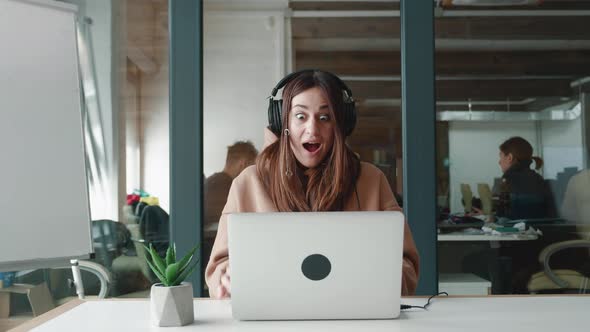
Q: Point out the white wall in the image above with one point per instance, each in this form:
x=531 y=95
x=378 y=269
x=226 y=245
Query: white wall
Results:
x=243 y=60
x=473 y=153
x=562 y=146
x=155 y=147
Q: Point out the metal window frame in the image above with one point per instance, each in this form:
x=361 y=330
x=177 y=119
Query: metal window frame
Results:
x=186 y=130
x=419 y=136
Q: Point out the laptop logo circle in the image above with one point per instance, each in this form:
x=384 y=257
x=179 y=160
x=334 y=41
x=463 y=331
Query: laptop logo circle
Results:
x=316 y=267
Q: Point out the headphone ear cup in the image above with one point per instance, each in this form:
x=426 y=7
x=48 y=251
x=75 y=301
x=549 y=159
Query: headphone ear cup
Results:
x=274 y=116
x=349 y=117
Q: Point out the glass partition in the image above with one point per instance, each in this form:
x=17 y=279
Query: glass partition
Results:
x=511 y=155
x=246 y=53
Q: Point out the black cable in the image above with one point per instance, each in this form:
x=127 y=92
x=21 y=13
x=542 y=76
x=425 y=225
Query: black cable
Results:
x=407 y=306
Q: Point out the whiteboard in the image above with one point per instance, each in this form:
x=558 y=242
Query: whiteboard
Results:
x=44 y=209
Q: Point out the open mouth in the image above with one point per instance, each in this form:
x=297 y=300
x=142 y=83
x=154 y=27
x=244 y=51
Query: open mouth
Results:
x=311 y=147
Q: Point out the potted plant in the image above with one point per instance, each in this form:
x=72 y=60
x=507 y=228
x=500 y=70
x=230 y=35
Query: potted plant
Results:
x=171 y=300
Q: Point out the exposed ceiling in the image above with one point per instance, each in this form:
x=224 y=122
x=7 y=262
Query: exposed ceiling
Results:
x=500 y=52
x=489 y=59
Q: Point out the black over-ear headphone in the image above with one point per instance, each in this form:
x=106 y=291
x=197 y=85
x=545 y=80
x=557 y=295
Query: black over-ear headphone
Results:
x=275 y=106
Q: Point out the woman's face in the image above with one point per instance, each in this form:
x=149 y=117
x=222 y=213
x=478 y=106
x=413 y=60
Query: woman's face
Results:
x=311 y=127
x=505 y=161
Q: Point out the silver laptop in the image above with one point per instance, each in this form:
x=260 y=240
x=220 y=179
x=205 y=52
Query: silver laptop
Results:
x=316 y=265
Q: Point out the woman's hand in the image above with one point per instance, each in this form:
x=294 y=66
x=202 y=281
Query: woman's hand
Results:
x=224 y=288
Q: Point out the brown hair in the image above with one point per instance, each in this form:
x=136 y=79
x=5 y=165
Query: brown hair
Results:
x=241 y=150
x=325 y=187
x=521 y=151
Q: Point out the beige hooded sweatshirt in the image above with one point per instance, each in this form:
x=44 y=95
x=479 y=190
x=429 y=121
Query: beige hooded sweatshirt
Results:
x=247 y=194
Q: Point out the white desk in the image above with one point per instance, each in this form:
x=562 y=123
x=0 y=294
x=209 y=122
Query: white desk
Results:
x=457 y=236
x=481 y=314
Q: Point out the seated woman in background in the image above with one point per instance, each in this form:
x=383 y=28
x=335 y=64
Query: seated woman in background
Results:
x=307 y=166
x=523 y=193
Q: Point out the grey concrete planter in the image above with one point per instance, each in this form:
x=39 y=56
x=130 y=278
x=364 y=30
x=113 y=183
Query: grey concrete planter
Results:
x=171 y=306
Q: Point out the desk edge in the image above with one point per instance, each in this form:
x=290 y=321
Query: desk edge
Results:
x=35 y=322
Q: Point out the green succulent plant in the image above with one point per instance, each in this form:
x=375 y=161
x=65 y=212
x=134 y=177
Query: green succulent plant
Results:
x=167 y=269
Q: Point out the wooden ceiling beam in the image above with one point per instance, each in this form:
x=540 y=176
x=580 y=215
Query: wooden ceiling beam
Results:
x=468 y=89
x=384 y=115
x=574 y=63
x=392 y=5
x=373 y=136
x=343 y=5
x=489 y=28
x=512 y=89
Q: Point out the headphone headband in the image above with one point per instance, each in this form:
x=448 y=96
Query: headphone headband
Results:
x=289 y=77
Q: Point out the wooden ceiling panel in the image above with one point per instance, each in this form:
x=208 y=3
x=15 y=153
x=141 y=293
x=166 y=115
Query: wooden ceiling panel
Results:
x=386 y=112
x=514 y=28
x=343 y=5
x=371 y=136
x=362 y=90
x=349 y=27
x=468 y=89
x=514 y=63
x=513 y=89
x=574 y=63
x=351 y=62
x=394 y=5
x=488 y=28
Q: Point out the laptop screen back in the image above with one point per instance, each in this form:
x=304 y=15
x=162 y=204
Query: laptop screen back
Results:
x=316 y=265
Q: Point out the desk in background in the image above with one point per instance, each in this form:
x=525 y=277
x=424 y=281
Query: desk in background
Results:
x=461 y=283
x=458 y=236
x=482 y=314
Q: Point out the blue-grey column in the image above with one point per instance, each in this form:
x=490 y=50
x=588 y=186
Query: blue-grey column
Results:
x=418 y=132
x=186 y=128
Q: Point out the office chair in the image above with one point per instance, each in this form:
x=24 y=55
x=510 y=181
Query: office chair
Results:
x=109 y=239
x=133 y=260
x=99 y=271
x=132 y=273
x=563 y=280
x=37 y=284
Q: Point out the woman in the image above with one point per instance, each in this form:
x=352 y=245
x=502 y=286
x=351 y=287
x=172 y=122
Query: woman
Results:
x=308 y=167
x=523 y=192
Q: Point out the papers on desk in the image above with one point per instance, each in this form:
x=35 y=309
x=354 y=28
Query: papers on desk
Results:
x=520 y=229
x=493 y=232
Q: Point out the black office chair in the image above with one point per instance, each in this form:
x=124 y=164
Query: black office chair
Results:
x=154 y=228
x=110 y=239
x=131 y=271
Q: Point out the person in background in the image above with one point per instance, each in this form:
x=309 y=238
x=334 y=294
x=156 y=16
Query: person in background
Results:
x=523 y=193
x=240 y=155
x=307 y=166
